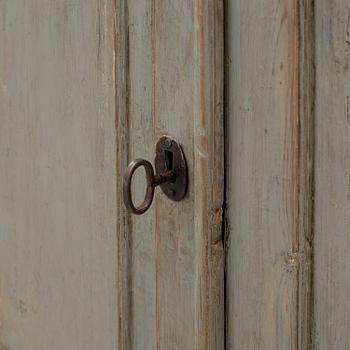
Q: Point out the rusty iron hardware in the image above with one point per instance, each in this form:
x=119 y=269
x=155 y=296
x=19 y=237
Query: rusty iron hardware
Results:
x=171 y=175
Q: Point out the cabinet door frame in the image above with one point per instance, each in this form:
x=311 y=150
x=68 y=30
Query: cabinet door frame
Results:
x=207 y=159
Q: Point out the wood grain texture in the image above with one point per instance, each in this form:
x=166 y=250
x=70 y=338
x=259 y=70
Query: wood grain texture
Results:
x=57 y=175
x=173 y=294
x=306 y=146
x=264 y=176
x=332 y=180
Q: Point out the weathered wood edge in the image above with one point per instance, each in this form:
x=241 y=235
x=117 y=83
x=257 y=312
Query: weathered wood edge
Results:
x=121 y=74
x=306 y=141
x=209 y=173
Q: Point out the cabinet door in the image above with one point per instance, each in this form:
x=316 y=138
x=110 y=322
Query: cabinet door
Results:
x=85 y=87
x=288 y=276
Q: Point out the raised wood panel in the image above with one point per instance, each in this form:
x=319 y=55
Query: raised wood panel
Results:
x=57 y=175
x=263 y=162
x=171 y=273
x=332 y=169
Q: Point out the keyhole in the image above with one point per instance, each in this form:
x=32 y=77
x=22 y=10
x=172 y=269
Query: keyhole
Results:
x=168 y=160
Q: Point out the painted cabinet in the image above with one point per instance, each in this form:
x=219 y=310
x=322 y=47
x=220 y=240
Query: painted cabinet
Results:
x=256 y=256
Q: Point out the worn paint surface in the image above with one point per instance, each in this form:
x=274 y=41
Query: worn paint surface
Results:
x=170 y=273
x=264 y=178
x=332 y=169
x=86 y=87
x=57 y=175
x=288 y=185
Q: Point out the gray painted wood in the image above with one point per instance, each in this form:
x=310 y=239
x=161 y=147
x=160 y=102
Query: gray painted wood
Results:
x=57 y=175
x=171 y=271
x=86 y=87
x=263 y=246
x=332 y=169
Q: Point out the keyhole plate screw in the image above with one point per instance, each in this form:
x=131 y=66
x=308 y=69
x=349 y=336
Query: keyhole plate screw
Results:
x=167 y=142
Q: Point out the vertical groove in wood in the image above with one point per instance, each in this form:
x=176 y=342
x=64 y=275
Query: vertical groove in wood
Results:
x=295 y=154
x=123 y=229
x=294 y=123
x=306 y=130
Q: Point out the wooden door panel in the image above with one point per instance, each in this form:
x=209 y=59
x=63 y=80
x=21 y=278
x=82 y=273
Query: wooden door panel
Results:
x=269 y=173
x=288 y=175
x=85 y=88
x=57 y=175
